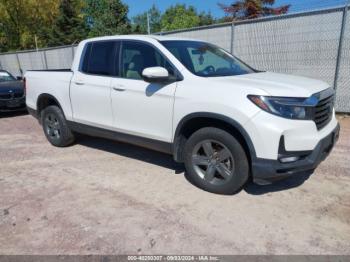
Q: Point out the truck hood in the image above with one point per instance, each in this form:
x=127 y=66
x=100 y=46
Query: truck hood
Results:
x=275 y=84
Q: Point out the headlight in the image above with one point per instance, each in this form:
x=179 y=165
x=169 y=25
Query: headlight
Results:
x=288 y=107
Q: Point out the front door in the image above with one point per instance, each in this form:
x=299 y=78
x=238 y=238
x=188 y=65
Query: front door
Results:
x=141 y=108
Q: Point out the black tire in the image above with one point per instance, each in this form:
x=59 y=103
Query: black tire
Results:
x=235 y=167
x=55 y=127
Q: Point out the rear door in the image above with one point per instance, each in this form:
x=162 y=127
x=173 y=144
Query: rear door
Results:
x=141 y=108
x=91 y=84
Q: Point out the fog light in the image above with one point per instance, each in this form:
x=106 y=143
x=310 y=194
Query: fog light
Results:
x=289 y=159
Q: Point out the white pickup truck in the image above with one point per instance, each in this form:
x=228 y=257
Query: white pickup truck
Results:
x=224 y=120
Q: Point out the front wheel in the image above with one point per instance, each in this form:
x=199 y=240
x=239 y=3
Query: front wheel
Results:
x=215 y=161
x=55 y=127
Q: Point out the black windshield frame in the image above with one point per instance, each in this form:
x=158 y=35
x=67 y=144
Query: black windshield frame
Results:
x=183 y=54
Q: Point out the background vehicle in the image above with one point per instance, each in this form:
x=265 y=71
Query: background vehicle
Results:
x=223 y=119
x=12 y=95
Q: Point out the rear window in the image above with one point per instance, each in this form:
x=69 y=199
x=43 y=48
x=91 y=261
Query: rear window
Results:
x=99 y=58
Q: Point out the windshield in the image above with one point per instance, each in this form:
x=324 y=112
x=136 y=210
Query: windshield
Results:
x=206 y=60
x=5 y=76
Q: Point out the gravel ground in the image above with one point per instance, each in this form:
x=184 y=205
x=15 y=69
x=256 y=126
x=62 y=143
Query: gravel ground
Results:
x=103 y=197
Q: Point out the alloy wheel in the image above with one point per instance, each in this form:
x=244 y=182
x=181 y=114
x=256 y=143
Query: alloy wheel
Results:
x=52 y=127
x=213 y=162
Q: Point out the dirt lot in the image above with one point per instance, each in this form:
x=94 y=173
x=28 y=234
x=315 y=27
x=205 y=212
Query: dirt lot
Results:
x=103 y=197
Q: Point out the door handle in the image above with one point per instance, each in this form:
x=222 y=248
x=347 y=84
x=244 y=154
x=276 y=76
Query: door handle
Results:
x=118 y=89
x=79 y=83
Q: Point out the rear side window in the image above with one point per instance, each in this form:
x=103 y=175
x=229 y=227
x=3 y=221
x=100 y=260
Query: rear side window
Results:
x=99 y=58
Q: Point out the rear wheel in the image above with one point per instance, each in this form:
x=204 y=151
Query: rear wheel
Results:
x=55 y=127
x=215 y=161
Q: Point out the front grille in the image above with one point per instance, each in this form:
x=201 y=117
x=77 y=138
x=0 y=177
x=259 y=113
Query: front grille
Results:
x=324 y=111
x=11 y=96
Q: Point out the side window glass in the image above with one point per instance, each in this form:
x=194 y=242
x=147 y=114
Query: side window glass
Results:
x=137 y=56
x=101 y=61
x=132 y=63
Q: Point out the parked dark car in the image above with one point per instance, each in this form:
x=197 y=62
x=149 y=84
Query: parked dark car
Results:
x=12 y=95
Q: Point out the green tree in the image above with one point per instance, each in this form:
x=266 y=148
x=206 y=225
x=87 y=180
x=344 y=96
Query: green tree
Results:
x=21 y=21
x=178 y=17
x=140 y=21
x=13 y=18
x=136 y=29
x=107 y=17
x=3 y=39
x=249 y=9
x=206 y=19
x=42 y=16
x=69 y=26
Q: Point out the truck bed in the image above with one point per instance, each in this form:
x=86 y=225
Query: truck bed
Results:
x=55 y=83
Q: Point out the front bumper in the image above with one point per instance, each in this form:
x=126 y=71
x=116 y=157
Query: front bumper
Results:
x=10 y=105
x=265 y=171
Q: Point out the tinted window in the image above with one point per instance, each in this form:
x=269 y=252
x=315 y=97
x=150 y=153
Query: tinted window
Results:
x=137 y=56
x=99 y=58
x=206 y=60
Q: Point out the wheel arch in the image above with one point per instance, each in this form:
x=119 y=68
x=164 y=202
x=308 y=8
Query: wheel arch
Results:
x=195 y=121
x=44 y=100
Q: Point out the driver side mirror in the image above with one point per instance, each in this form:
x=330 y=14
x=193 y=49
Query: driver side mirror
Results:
x=155 y=74
x=19 y=78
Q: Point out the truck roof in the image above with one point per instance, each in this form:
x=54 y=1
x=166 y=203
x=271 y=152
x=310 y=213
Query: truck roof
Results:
x=140 y=37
